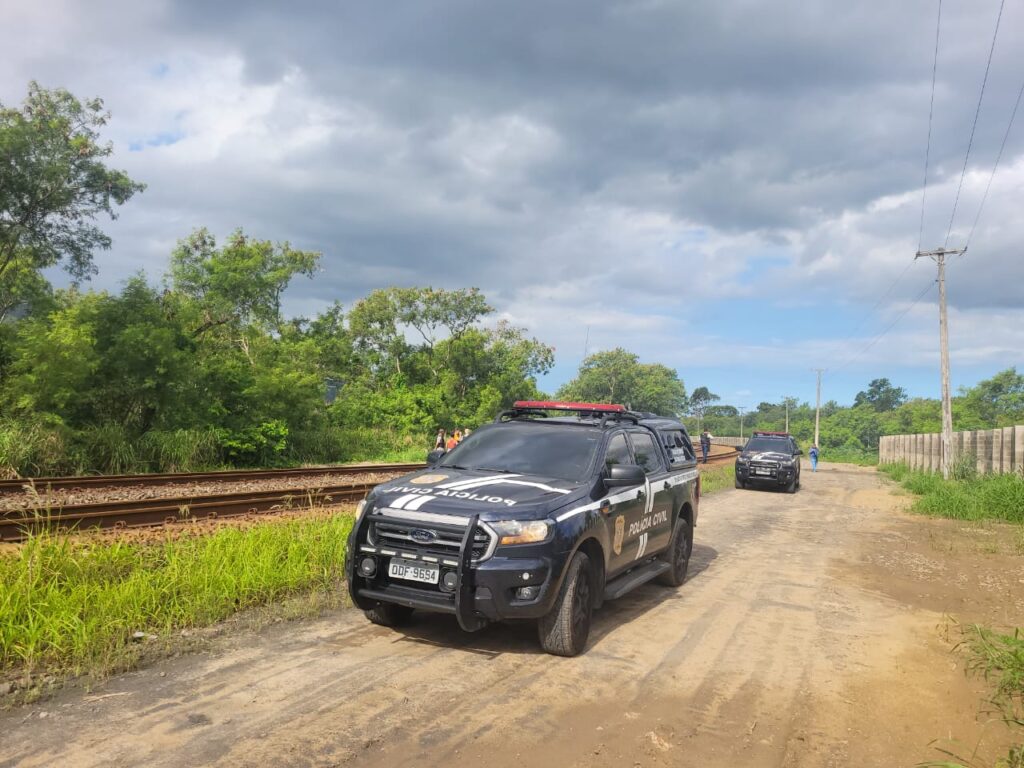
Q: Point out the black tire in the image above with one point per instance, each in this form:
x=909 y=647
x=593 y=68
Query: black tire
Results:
x=739 y=484
x=791 y=488
x=389 y=615
x=564 y=630
x=678 y=555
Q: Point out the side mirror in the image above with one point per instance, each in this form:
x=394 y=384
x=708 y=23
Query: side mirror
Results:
x=434 y=456
x=625 y=476
x=799 y=452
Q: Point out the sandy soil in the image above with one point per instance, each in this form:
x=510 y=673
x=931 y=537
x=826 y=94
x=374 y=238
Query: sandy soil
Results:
x=813 y=631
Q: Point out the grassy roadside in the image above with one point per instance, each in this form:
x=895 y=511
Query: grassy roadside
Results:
x=77 y=604
x=717 y=478
x=972 y=497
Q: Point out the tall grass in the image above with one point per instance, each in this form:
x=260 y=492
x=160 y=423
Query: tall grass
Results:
x=717 y=478
x=979 y=497
x=33 y=449
x=74 y=603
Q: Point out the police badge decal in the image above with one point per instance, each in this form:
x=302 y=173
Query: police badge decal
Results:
x=620 y=531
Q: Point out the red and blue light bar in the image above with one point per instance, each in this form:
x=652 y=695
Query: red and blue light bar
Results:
x=554 y=405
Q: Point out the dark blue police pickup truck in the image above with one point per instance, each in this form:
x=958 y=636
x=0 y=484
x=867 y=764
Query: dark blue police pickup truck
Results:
x=543 y=514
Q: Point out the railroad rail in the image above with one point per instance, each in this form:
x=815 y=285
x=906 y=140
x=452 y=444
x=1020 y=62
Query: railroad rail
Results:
x=15 y=524
x=180 y=478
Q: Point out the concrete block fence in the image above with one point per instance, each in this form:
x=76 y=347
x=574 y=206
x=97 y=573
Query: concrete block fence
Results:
x=997 y=451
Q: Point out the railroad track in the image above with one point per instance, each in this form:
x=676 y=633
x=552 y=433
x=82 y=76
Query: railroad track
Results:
x=15 y=524
x=180 y=478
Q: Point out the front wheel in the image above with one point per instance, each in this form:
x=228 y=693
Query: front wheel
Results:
x=564 y=630
x=678 y=555
x=739 y=484
x=389 y=614
x=793 y=485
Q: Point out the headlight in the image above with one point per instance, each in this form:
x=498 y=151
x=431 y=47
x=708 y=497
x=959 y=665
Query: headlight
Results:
x=521 y=531
x=742 y=460
x=361 y=508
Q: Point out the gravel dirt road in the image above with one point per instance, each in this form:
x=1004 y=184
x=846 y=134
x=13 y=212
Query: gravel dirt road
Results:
x=811 y=632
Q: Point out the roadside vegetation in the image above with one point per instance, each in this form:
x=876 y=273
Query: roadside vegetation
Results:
x=850 y=434
x=717 y=478
x=966 y=496
x=92 y=604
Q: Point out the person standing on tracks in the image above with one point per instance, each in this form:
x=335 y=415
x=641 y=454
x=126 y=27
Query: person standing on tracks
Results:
x=813 y=453
x=705 y=444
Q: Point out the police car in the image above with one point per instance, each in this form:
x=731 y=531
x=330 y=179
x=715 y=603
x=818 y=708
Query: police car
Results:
x=542 y=515
x=769 y=459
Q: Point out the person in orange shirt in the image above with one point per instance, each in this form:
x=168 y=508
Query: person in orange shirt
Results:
x=453 y=440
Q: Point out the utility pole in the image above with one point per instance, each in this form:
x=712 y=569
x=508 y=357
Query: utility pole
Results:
x=786 y=401
x=817 y=408
x=741 y=422
x=939 y=257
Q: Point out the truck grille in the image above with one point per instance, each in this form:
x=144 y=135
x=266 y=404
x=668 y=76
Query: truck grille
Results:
x=440 y=540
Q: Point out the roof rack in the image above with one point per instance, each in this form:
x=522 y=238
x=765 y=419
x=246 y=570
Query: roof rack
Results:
x=760 y=433
x=607 y=411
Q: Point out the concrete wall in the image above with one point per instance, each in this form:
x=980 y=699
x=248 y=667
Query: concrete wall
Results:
x=995 y=450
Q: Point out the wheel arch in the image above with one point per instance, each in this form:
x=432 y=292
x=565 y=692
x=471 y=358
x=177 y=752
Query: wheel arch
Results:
x=594 y=551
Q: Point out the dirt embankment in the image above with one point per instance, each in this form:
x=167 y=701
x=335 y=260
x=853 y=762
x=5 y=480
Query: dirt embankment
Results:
x=810 y=633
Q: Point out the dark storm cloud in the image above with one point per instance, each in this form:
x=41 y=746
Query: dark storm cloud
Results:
x=754 y=116
x=531 y=148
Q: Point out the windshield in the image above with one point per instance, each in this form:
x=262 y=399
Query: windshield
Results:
x=548 y=450
x=762 y=444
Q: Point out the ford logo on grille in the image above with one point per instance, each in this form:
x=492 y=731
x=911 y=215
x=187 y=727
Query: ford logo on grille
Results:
x=423 y=536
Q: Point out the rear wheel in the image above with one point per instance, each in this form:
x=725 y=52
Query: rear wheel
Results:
x=389 y=614
x=564 y=630
x=678 y=555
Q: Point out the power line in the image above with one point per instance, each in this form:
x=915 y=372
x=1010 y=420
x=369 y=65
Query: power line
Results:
x=999 y=157
x=931 y=109
x=888 y=328
x=977 y=111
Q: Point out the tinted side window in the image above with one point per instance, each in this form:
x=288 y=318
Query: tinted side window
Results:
x=617 y=452
x=646 y=452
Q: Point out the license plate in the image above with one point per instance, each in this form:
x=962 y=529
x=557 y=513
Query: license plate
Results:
x=427 y=574
x=760 y=471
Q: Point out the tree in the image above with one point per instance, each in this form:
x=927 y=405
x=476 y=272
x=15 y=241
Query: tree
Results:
x=618 y=376
x=996 y=402
x=882 y=396
x=54 y=182
x=701 y=398
x=239 y=284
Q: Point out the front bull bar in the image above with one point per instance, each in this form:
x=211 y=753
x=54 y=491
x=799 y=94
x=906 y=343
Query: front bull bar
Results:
x=465 y=586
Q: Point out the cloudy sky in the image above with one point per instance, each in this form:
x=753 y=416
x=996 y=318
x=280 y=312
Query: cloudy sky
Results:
x=731 y=188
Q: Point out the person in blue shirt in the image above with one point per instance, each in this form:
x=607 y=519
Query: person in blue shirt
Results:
x=813 y=453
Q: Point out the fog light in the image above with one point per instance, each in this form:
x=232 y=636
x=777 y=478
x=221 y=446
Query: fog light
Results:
x=449 y=580
x=527 y=593
x=367 y=567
